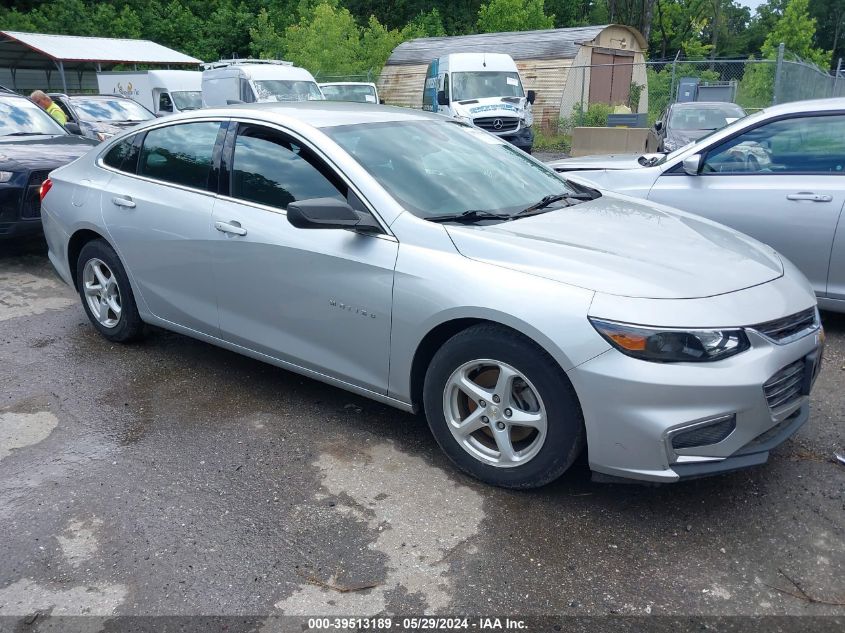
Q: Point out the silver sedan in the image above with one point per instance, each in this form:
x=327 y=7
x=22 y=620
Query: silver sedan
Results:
x=431 y=266
x=778 y=175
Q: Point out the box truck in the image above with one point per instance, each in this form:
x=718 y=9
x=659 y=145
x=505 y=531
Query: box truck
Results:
x=484 y=90
x=160 y=91
x=250 y=80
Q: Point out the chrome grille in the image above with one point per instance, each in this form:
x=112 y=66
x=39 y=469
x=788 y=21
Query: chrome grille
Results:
x=784 y=388
x=789 y=328
x=504 y=123
x=31 y=208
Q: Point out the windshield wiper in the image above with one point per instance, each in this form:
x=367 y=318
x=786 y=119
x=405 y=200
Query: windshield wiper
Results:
x=473 y=215
x=27 y=134
x=551 y=199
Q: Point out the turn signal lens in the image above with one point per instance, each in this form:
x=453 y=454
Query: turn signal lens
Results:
x=666 y=345
x=45 y=187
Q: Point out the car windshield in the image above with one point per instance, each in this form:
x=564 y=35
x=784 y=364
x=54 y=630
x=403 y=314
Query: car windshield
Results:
x=113 y=110
x=344 y=92
x=709 y=118
x=287 y=90
x=440 y=168
x=21 y=117
x=483 y=84
x=187 y=99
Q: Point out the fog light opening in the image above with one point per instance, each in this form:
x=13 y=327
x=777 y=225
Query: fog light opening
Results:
x=705 y=433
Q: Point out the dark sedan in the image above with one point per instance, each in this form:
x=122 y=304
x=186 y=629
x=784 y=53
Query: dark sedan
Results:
x=100 y=117
x=32 y=144
x=683 y=123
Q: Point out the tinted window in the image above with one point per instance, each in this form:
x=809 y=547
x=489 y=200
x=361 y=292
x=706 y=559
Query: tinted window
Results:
x=270 y=169
x=180 y=154
x=123 y=156
x=801 y=145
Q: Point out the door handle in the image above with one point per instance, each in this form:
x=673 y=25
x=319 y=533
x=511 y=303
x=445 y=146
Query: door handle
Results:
x=810 y=196
x=233 y=228
x=123 y=201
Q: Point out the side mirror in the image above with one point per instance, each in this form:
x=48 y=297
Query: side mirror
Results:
x=73 y=128
x=658 y=125
x=692 y=165
x=441 y=98
x=329 y=213
x=531 y=96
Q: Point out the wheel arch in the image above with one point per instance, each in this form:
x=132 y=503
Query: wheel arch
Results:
x=443 y=331
x=77 y=241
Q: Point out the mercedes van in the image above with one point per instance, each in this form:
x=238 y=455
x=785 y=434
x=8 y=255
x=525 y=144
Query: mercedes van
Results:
x=484 y=90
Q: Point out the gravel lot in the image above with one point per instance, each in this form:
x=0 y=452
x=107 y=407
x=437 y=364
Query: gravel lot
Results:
x=172 y=477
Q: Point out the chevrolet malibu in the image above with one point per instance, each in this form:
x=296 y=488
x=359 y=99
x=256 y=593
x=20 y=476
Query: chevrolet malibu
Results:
x=433 y=267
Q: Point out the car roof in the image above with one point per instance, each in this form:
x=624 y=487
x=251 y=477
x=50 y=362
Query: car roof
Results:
x=811 y=105
x=87 y=96
x=692 y=105
x=319 y=114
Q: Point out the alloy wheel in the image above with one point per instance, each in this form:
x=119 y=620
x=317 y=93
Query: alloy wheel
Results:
x=495 y=413
x=102 y=292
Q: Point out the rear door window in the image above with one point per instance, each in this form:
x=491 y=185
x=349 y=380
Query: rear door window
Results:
x=124 y=155
x=180 y=154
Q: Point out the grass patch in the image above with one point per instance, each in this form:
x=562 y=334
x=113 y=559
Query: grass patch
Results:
x=552 y=142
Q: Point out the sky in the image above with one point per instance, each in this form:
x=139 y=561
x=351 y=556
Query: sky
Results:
x=753 y=4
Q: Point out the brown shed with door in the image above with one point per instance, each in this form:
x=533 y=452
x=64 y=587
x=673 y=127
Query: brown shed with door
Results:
x=589 y=64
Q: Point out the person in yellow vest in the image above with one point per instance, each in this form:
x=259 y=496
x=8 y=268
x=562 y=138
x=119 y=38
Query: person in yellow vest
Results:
x=40 y=98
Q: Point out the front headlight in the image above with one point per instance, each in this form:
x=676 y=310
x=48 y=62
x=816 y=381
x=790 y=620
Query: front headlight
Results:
x=669 y=345
x=463 y=119
x=669 y=146
x=6 y=176
x=103 y=136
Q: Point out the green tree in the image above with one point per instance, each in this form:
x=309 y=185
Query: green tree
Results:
x=797 y=30
x=265 y=42
x=513 y=15
x=377 y=42
x=326 y=39
x=428 y=24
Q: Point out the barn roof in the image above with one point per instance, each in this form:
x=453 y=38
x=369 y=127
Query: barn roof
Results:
x=546 y=44
x=41 y=50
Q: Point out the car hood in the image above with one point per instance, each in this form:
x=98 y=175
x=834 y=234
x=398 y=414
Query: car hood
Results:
x=604 y=161
x=619 y=246
x=41 y=152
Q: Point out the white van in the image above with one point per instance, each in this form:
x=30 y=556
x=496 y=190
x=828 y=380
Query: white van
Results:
x=160 y=91
x=250 y=80
x=485 y=90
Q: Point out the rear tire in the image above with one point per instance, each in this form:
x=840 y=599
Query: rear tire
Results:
x=106 y=294
x=502 y=409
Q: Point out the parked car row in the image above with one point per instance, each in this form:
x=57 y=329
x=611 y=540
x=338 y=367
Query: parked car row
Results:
x=420 y=261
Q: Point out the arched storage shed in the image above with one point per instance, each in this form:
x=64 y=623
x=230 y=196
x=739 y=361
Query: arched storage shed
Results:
x=565 y=66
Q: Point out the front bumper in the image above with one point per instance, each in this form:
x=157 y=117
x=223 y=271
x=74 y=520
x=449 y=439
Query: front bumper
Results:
x=523 y=139
x=632 y=409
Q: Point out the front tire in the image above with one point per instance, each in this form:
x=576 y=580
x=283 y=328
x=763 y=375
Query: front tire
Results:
x=502 y=409
x=106 y=294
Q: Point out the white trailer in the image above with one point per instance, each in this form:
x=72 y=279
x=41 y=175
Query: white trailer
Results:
x=160 y=91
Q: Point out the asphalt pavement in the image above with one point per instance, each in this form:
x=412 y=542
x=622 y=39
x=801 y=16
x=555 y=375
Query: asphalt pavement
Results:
x=170 y=477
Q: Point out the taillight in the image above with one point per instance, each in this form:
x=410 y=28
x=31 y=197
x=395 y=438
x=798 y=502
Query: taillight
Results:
x=45 y=187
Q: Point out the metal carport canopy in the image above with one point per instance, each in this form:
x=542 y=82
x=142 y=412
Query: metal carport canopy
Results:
x=41 y=51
